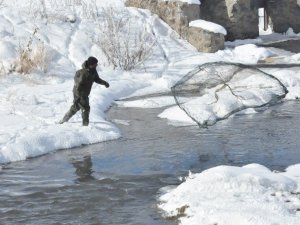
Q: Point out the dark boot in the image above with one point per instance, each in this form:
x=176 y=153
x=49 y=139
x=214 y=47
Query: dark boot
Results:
x=85 y=117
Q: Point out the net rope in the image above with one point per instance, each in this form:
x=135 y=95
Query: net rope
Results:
x=215 y=91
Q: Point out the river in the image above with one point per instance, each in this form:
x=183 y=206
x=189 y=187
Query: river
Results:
x=118 y=182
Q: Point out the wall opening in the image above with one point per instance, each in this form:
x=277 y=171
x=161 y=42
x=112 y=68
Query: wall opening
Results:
x=264 y=22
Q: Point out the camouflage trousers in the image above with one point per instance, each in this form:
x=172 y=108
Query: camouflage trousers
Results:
x=79 y=103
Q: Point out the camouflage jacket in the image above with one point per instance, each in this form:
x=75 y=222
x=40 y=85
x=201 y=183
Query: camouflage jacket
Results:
x=84 y=80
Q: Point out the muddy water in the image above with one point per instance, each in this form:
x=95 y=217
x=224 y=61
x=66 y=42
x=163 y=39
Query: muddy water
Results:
x=118 y=182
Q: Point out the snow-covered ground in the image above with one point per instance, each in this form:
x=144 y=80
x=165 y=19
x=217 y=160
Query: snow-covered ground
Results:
x=227 y=195
x=31 y=105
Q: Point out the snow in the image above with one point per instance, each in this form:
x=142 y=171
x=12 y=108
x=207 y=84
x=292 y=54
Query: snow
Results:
x=290 y=32
x=248 y=53
x=296 y=57
x=31 y=105
x=290 y=78
x=209 y=26
x=248 y=195
x=123 y=122
x=176 y=114
x=197 y=2
x=202 y=109
x=155 y=102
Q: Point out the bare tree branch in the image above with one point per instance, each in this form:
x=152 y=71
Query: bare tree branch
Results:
x=123 y=45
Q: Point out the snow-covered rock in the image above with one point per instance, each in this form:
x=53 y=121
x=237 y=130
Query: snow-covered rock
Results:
x=196 y=2
x=248 y=195
x=209 y=26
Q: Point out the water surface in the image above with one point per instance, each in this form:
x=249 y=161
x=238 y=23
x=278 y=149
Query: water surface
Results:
x=118 y=182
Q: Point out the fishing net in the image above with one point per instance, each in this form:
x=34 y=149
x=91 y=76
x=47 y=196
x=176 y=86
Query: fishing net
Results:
x=215 y=91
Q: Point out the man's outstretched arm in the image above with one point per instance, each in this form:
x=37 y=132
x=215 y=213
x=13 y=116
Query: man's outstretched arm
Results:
x=98 y=80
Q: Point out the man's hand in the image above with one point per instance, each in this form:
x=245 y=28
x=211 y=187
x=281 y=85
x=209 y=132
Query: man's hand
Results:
x=106 y=84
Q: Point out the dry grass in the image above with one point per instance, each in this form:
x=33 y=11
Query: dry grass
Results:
x=124 y=45
x=32 y=56
x=180 y=213
x=35 y=59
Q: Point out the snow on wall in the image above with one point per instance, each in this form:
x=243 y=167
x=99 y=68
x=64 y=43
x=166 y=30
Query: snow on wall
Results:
x=210 y=26
x=197 y=2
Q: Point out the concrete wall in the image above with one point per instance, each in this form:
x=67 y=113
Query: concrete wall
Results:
x=239 y=17
x=284 y=14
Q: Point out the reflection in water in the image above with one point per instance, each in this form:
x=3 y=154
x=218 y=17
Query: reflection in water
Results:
x=83 y=169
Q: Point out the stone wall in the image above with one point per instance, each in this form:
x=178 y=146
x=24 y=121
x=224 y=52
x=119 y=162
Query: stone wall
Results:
x=177 y=15
x=284 y=14
x=239 y=17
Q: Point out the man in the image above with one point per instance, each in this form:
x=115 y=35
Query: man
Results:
x=84 y=80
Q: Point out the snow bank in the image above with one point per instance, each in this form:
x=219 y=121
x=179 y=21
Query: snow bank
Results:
x=290 y=77
x=34 y=141
x=197 y=2
x=291 y=32
x=247 y=53
x=155 y=102
x=248 y=195
x=209 y=26
x=296 y=57
x=31 y=105
x=29 y=120
x=177 y=116
x=253 y=51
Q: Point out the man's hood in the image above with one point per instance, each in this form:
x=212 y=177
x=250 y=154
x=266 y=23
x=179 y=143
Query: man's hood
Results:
x=84 y=65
